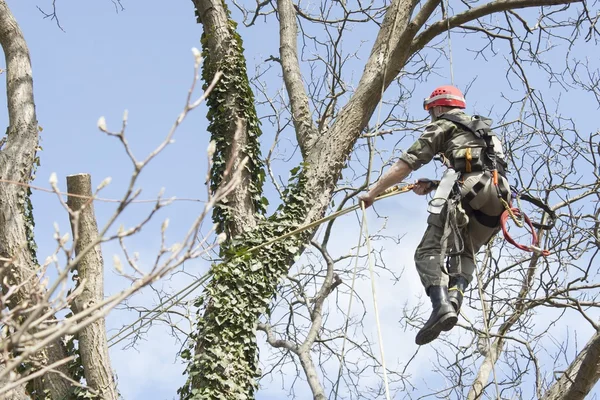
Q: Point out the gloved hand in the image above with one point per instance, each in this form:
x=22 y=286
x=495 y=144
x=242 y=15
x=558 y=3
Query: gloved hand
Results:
x=424 y=186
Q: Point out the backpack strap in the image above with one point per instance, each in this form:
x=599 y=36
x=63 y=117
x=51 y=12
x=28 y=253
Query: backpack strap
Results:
x=478 y=126
x=481 y=128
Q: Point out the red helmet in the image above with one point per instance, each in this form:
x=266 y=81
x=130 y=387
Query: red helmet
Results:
x=448 y=96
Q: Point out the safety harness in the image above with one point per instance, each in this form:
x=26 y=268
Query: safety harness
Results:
x=492 y=165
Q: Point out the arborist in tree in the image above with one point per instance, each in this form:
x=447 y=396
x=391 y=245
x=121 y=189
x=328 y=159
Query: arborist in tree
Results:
x=465 y=210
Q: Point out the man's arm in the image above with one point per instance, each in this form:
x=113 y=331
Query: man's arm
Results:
x=421 y=152
x=396 y=174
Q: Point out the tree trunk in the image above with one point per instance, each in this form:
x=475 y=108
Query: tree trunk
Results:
x=311 y=374
x=581 y=376
x=16 y=163
x=93 y=346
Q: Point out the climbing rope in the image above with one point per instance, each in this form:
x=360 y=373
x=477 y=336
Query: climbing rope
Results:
x=509 y=210
x=354 y=273
x=485 y=323
x=521 y=219
x=374 y=291
x=159 y=310
x=388 y=192
x=363 y=227
x=535 y=246
x=449 y=43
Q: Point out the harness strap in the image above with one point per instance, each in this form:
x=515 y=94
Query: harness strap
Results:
x=485 y=177
x=486 y=220
x=477 y=126
x=491 y=221
x=482 y=131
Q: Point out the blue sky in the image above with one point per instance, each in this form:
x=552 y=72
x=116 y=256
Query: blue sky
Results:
x=139 y=59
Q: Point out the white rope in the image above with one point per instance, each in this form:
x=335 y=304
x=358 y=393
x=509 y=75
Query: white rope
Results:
x=485 y=322
x=362 y=223
x=354 y=273
x=374 y=291
x=449 y=42
x=363 y=226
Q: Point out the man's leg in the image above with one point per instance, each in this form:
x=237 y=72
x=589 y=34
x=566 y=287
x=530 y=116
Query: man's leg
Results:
x=430 y=265
x=475 y=236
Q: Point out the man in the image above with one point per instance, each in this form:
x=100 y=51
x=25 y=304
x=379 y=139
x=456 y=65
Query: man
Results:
x=475 y=153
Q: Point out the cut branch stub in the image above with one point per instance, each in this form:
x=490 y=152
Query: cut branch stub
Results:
x=93 y=347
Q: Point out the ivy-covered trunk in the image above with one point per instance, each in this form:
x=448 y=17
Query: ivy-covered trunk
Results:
x=226 y=362
x=233 y=123
x=223 y=359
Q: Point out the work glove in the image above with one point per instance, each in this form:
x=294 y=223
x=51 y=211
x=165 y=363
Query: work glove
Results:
x=424 y=186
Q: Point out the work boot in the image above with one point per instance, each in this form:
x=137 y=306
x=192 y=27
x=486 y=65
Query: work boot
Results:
x=442 y=318
x=458 y=285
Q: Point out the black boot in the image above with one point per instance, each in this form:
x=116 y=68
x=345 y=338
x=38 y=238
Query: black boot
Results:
x=458 y=285
x=442 y=318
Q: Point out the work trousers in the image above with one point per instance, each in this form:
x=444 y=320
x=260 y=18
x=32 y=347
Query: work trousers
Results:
x=429 y=260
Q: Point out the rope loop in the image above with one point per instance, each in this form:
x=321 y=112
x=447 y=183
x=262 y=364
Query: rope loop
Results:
x=534 y=247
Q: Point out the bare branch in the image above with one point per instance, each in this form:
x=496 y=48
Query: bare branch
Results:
x=306 y=131
x=477 y=12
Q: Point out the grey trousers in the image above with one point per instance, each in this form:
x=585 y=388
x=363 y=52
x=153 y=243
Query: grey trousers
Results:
x=431 y=264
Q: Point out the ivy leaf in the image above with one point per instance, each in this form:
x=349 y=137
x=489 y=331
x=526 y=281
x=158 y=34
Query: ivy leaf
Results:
x=256 y=266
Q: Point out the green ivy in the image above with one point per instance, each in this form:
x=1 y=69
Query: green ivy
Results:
x=28 y=212
x=226 y=353
x=232 y=98
x=222 y=357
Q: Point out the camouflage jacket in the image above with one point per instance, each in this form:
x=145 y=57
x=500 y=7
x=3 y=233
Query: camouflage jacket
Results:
x=443 y=136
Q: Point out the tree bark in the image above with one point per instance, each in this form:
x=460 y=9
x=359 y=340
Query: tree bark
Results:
x=306 y=131
x=93 y=346
x=16 y=163
x=581 y=375
x=311 y=374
